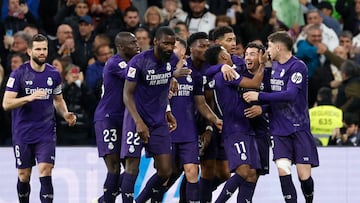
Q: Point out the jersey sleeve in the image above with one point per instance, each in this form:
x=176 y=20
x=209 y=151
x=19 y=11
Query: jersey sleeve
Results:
x=13 y=83
x=133 y=69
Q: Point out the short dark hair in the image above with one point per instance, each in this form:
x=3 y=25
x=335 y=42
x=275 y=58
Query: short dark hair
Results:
x=121 y=38
x=350 y=68
x=347 y=34
x=164 y=30
x=256 y=45
x=130 y=9
x=212 y=54
x=325 y=96
x=283 y=37
x=351 y=118
x=37 y=38
x=196 y=36
x=219 y=32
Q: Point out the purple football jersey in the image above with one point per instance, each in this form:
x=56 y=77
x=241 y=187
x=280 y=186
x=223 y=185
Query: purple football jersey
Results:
x=288 y=99
x=34 y=121
x=183 y=106
x=111 y=103
x=231 y=106
x=152 y=79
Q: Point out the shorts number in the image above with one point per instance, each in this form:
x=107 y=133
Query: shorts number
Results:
x=110 y=135
x=17 y=151
x=240 y=147
x=132 y=138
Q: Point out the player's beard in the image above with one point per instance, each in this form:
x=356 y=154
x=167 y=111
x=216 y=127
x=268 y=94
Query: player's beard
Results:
x=38 y=61
x=165 y=56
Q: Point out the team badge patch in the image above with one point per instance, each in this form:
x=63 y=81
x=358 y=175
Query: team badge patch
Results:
x=243 y=156
x=132 y=149
x=131 y=72
x=282 y=73
x=122 y=64
x=10 y=82
x=49 y=81
x=189 y=78
x=110 y=146
x=168 y=66
x=296 y=78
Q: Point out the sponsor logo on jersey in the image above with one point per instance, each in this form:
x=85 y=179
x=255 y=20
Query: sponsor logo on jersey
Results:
x=122 y=64
x=131 y=72
x=296 y=78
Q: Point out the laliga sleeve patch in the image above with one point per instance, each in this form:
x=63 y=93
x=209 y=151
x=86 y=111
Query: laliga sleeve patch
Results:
x=296 y=78
x=10 y=82
x=131 y=72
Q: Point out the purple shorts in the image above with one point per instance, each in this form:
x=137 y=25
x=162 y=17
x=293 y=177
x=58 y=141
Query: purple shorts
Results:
x=299 y=147
x=241 y=149
x=108 y=136
x=186 y=152
x=26 y=155
x=131 y=145
x=215 y=150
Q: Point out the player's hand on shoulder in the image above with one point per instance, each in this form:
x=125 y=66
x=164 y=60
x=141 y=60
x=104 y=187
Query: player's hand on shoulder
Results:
x=181 y=72
x=229 y=73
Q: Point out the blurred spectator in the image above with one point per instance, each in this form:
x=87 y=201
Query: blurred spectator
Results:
x=348 y=98
x=5 y=116
x=239 y=50
x=60 y=63
x=18 y=16
x=171 y=10
x=182 y=30
x=349 y=135
x=255 y=25
x=20 y=44
x=324 y=117
x=326 y=10
x=71 y=12
x=83 y=43
x=346 y=40
x=32 y=5
x=153 y=19
x=199 y=18
x=309 y=52
x=329 y=74
x=222 y=20
x=100 y=40
x=131 y=19
x=81 y=101
x=111 y=21
x=63 y=45
x=329 y=36
x=94 y=72
x=32 y=30
x=350 y=14
x=143 y=38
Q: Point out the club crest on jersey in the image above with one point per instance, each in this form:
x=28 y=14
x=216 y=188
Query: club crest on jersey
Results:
x=282 y=73
x=132 y=149
x=296 y=78
x=243 y=156
x=49 y=81
x=122 y=64
x=168 y=66
x=189 y=78
x=110 y=146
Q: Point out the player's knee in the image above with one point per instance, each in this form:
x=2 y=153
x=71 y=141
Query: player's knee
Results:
x=132 y=166
x=191 y=174
x=284 y=166
x=24 y=175
x=45 y=169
